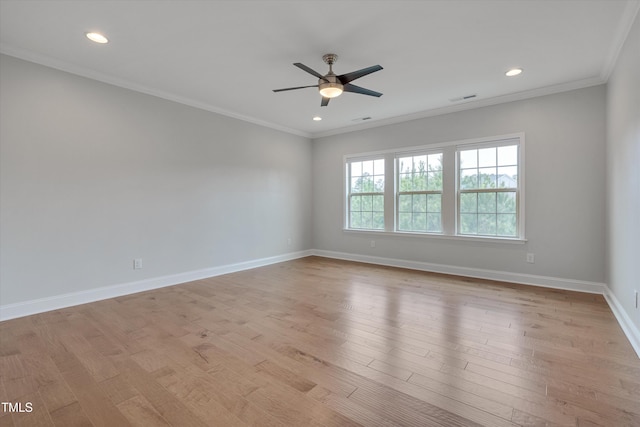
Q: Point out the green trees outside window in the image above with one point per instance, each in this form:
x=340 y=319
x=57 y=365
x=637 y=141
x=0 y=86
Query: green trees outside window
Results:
x=366 y=194
x=420 y=193
x=488 y=186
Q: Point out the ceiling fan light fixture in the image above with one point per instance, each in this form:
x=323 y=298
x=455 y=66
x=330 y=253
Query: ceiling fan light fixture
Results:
x=331 y=90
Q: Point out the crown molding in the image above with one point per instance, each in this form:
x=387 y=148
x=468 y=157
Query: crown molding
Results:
x=50 y=62
x=471 y=105
x=626 y=22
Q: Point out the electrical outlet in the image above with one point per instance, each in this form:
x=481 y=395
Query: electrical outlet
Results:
x=373 y=243
x=137 y=263
x=531 y=258
x=289 y=241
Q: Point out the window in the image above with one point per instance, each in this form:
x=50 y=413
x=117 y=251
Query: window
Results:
x=468 y=189
x=366 y=194
x=419 y=193
x=488 y=191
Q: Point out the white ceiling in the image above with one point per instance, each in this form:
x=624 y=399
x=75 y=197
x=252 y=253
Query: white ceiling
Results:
x=227 y=56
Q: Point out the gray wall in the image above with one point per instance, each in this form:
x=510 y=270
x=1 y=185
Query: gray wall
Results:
x=623 y=174
x=93 y=176
x=565 y=187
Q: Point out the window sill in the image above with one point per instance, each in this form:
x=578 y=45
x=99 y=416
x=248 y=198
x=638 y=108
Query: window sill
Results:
x=487 y=239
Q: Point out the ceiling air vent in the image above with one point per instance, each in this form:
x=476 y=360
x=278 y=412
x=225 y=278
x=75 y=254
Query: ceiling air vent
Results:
x=463 y=98
x=361 y=119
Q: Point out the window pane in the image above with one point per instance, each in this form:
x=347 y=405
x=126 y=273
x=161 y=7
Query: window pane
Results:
x=378 y=220
x=420 y=222
x=469 y=202
x=367 y=168
x=487 y=224
x=508 y=156
x=435 y=162
x=363 y=184
x=434 y=181
x=487 y=178
x=405 y=164
x=508 y=177
x=356 y=203
x=419 y=163
x=419 y=203
x=355 y=220
x=434 y=222
x=487 y=157
x=468 y=179
x=404 y=203
x=468 y=224
x=506 y=202
x=406 y=183
x=379 y=184
x=419 y=182
x=378 y=167
x=487 y=202
x=468 y=159
x=367 y=203
x=356 y=169
x=404 y=221
x=367 y=220
x=507 y=225
x=355 y=185
x=378 y=203
x=434 y=203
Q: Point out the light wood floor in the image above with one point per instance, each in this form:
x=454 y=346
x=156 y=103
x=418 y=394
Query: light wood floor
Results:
x=319 y=342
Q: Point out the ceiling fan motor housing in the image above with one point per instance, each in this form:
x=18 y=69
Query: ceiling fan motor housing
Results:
x=330 y=86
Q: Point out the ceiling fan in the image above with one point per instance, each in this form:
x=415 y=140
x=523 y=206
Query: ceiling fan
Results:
x=331 y=85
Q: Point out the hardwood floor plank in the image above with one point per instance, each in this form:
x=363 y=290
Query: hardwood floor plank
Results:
x=350 y=409
x=71 y=415
x=202 y=390
x=93 y=401
x=141 y=413
x=38 y=417
x=171 y=409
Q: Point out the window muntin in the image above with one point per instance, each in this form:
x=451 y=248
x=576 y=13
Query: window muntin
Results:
x=488 y=191
x=419 y=193
x=366 y=194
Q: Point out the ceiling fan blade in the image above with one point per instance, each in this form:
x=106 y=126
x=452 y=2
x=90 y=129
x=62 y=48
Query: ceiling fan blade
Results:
x=357 y=89
x=325 y=101
x=309 y=70
x=293 y=88
x=349 y=77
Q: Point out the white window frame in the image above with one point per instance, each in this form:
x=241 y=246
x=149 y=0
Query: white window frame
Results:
x=348 y=194
x=519 y=189
x=398 y=193
x=450 y=197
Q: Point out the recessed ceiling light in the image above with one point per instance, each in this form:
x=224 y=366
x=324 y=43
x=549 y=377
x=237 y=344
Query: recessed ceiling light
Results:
x=513 y=72
x=97 y=37
x=317 y=118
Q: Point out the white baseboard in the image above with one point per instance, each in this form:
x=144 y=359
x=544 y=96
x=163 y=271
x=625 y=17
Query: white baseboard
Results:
x=628 y=327
x=478 y=273
x=630 y=330
x=26 y=308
